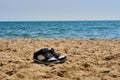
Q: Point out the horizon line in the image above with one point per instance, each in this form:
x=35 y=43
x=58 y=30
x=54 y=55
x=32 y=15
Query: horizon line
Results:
x=57 y=20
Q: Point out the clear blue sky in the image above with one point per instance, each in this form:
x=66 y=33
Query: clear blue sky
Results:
x=59 y=10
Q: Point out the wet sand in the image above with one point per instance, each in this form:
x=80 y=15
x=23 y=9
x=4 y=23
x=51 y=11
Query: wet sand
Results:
x=88 y=59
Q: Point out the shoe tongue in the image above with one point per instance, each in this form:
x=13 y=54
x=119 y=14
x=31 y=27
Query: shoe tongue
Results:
x=52 y=49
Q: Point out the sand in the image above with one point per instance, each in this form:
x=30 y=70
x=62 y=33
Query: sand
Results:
x=88 y=59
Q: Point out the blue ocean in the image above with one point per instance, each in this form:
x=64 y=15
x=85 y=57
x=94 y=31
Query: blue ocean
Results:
x=60 y=29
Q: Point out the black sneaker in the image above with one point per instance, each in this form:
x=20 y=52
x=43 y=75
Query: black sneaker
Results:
x=47 y=57
x=56 y=55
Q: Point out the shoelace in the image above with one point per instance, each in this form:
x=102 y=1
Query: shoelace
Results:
x=48 y=55
x=54 y=53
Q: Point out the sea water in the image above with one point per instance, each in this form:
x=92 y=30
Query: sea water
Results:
x=60 y=29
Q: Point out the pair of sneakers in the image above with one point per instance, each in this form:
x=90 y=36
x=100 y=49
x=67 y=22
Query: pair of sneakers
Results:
x=47 y=56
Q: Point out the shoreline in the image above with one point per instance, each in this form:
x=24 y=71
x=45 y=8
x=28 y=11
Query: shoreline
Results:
x=88 y=59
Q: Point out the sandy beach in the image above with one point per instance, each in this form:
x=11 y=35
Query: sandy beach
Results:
x=88 y=59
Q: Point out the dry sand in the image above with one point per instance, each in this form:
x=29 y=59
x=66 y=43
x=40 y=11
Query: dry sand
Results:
x=88 y=59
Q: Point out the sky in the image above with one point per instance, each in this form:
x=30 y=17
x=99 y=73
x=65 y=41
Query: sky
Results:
x=52 y=10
